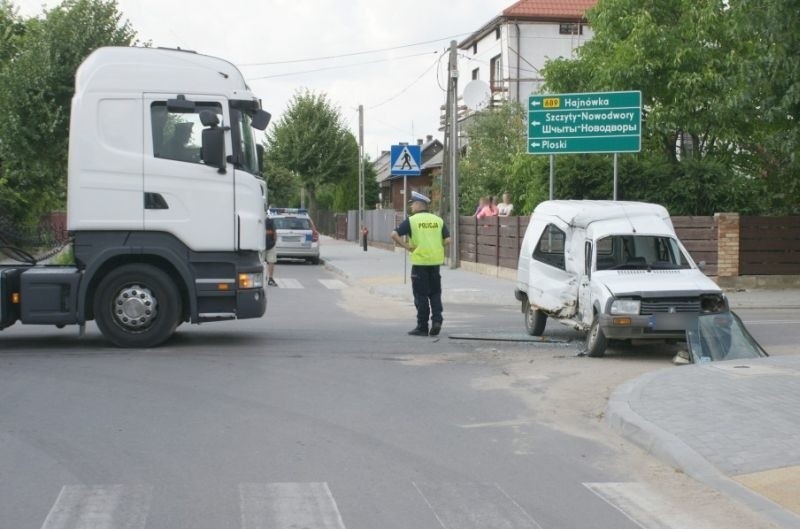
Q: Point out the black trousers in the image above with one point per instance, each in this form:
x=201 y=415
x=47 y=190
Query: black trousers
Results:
x=426 y=283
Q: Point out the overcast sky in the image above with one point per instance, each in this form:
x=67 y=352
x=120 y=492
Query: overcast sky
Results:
x=399 y=88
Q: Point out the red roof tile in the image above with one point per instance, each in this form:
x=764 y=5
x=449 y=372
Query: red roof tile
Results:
x=550 y=9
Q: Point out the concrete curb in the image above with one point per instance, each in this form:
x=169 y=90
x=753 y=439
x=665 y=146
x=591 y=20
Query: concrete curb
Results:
x=672 y=450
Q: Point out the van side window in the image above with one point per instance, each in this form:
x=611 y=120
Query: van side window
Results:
x=550 y=248
x=177 y=135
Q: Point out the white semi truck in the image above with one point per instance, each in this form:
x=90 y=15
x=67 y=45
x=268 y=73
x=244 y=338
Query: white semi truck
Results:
x=165 y=201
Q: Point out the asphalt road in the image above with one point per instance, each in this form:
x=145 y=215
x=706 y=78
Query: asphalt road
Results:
x=324 y=414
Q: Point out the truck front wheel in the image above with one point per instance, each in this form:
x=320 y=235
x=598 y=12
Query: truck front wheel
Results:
x=137 y=305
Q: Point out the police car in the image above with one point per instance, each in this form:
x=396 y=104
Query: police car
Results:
x=296 y=237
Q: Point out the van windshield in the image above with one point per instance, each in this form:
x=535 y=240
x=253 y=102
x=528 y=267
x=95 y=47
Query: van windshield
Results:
x=640 y=252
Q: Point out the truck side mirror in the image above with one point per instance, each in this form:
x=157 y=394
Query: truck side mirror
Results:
x=212 y=151
x=209 y=118
x=260 y=120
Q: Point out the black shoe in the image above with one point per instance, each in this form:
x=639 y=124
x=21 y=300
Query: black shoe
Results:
x=272 y=282
x=435 y=328
x=419 y=331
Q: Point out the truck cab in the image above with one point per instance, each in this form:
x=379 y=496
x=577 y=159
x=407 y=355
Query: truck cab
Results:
x=165 y=203
x=615 y=270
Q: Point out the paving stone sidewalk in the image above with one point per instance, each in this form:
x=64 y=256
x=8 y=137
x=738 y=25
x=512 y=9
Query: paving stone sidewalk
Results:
x=734 y=425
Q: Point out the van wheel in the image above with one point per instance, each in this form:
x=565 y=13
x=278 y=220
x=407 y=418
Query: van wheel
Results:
x=535 y=320
x=596 y=340
x=137 y=305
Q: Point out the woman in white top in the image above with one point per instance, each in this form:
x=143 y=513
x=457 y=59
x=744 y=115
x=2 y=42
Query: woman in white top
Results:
x=505 y=208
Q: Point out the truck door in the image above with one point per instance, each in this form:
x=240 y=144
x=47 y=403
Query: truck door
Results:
x=183 y=196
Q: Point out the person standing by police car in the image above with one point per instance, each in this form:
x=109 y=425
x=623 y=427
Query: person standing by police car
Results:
x=427 y=238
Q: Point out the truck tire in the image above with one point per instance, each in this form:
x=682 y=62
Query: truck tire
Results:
x=137 y=305
x=596 y=339
x=535 y=320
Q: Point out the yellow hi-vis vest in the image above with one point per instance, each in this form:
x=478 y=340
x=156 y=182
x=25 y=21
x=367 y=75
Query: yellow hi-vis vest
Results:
x=426 y=237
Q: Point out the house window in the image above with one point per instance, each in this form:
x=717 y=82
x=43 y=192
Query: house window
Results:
x=476 y=74
x=570 y=28
x=496 y=72
x=474 y=48
x=497 y=33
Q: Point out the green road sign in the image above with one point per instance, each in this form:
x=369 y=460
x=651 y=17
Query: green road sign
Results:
x=592 y=122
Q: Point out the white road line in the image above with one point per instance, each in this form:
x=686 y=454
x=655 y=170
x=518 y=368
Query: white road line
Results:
x=288 y=506
x=474 y=506
x=288 y=283
x=645 y=507
x=100 y=507
x=333 y=284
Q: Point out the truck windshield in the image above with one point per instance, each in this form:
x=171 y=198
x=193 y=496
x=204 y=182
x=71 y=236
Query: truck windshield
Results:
x=633 y=252
x=248 y=160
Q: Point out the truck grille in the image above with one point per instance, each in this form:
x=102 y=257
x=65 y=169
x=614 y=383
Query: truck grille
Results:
x=673 y=306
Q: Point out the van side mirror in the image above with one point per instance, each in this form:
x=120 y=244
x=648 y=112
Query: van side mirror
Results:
x=212 y=151
x=682 y=358
x=701 y=265
x=260 y=119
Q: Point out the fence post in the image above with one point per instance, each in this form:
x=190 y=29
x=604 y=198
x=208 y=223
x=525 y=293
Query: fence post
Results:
x=497 y=242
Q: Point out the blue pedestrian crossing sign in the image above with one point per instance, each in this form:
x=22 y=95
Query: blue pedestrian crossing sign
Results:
x=406 y=160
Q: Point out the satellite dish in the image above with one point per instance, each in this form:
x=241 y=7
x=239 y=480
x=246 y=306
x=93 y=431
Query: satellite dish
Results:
x=477 y=95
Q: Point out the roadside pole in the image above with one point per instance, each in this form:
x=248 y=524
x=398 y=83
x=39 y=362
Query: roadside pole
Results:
x=405 y=210
x=361 y=193
x=453 y=112
x=616 y=155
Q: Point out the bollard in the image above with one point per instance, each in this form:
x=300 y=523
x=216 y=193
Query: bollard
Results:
x=364 y=233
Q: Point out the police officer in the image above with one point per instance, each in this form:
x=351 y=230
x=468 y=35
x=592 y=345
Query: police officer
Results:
x=427 y=239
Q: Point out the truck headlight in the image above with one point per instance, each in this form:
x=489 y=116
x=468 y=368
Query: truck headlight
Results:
x=625 y=306
x=251 y=280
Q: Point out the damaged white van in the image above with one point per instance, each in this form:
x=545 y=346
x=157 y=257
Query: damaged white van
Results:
x=613 y=269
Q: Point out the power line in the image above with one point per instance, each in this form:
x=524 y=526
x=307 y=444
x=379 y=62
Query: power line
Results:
x=302 y=72
x=409 y=85
x=366 y=52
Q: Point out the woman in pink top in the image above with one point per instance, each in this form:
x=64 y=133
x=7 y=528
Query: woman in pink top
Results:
x=489 y=210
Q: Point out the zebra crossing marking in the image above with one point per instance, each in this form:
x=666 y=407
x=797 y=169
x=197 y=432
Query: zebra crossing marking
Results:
x=100 y=507
x=474 y=506
x=288 y=283
x=333 y=284
x=288 y=506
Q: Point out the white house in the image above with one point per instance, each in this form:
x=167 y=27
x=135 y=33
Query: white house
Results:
x=509 y=51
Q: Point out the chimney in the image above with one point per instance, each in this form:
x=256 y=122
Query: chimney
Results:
x=419 y=141
x=428 y=138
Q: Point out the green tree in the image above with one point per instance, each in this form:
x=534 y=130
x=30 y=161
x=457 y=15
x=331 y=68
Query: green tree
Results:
x=495 y=137
x=346 y=193
x=766 y=49
x=312 y=141
x=36 y=88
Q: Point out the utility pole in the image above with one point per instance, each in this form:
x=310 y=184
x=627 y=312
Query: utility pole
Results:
x=361 y=193
x=452 y=112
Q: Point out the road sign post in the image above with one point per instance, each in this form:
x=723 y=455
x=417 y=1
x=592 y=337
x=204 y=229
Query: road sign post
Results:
x=405 y=160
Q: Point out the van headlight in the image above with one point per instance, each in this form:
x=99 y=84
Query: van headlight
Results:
x=625 y=306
